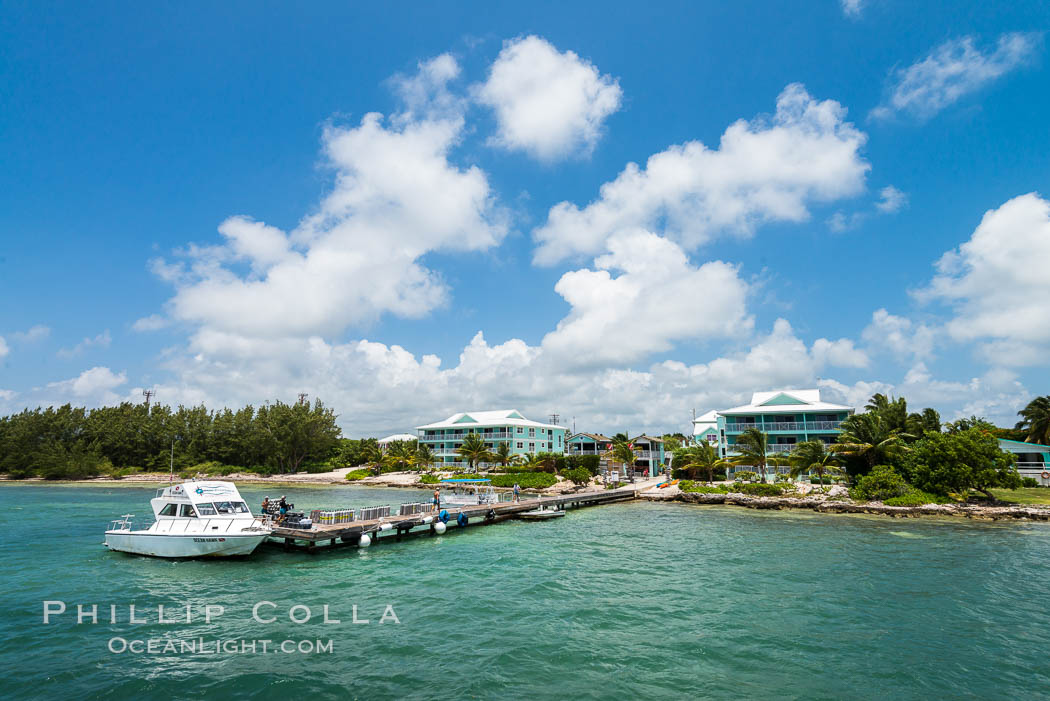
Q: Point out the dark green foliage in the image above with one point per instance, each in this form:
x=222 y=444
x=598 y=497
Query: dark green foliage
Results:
x=526 y=480
x=690 y=486
x=883 y=482
x=578 y=475
x=73 y=442
x=429 y=479
x=591 y=463
x=759 y=489
x=1029 y=482
x=1035 y=420
x=355 y=475
x=961 y=460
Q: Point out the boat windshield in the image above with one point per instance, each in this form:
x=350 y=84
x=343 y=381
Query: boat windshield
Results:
x=231 y=507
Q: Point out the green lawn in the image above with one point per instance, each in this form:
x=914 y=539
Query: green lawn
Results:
x=1025 y=495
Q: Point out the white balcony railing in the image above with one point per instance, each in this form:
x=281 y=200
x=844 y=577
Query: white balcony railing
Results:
x=785 y=426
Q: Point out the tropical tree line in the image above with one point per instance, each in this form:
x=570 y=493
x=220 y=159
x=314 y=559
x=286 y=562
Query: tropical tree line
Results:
x=892 y=445
x=74 y=442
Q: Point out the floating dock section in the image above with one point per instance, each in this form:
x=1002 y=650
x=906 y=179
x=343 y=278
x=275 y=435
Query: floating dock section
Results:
x=417 y=521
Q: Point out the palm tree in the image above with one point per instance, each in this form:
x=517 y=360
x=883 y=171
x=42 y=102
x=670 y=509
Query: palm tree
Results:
x=812 y=457
x=473 y=450
x=702 y=456
x=528 y=462
x=399 y=463
x=425 y=457
x=400 y=455
x=867 y=436
x=1036 y=420
x=372 y=455
x=622 y=450
x=751 y=447
x=503 y=454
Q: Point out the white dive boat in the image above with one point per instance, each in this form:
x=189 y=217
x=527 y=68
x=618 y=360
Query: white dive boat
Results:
x=193 y=519
x=469 y=492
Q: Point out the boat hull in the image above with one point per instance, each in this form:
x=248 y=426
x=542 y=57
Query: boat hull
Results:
x=184 y=546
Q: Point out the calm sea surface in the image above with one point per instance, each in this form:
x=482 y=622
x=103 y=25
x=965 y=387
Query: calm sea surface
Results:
x=624 y=601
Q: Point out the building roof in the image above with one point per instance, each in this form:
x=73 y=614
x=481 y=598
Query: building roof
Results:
x=592 y=436
x=644 y=437
x=785 y=401
x=1022 y=444
x=705 y=422
x=480 y=419
x=397 y=437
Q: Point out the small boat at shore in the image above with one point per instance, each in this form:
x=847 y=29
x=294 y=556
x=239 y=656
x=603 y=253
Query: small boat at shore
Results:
x=541 y=514
x=193 y=519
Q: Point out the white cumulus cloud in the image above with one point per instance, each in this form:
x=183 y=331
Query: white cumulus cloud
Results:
x=763 y=170
x=996 y=283
x=658 y=298
x=952 y=70
x=102 y=340
x=93 y=386
x=396 y=197
x=547 y=103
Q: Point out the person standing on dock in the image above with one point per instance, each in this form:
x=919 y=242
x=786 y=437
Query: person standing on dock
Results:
x=437 y=499
x=517 y=492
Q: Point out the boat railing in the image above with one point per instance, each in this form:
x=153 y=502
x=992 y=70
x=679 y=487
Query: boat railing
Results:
x=121 y=524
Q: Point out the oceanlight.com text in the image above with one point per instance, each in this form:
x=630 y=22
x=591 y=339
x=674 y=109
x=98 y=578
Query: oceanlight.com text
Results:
x=205 y=646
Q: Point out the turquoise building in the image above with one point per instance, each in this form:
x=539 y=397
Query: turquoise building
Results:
x=649 y=452
x=788 y=417
x=1033 y=459
x=495 y=427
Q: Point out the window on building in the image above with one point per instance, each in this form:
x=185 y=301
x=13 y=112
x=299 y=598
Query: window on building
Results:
x=532 y=447
x=520 y=430
x=550 y=446
x=520 y=445
x=532 y=433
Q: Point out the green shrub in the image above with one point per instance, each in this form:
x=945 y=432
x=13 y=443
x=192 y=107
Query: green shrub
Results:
x=1029 y=482
x=780 y=477
x=746 y=476
x=526 y=480
x=429 y=479
x=758 y=489
x=578 y=475
x=882 y=483
x=915 y=497
x=358 y=474
x=690 y=486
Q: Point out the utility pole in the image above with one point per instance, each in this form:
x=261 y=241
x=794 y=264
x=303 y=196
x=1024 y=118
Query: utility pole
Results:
x=302 y=398
x=555 y=418
x=148 y=393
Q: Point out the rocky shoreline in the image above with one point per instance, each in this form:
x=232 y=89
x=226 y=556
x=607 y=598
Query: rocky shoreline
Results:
x=824 y=504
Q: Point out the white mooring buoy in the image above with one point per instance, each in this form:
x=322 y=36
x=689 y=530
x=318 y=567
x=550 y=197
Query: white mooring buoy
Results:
x=439 y=528
x=365 y=541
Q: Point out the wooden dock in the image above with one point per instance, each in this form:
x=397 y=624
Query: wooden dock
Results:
x=324 y=536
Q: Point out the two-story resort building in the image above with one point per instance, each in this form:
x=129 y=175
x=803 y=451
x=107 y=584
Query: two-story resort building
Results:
x=495 y=427
x=650 y=456
x=788 y=417
x=588 y=444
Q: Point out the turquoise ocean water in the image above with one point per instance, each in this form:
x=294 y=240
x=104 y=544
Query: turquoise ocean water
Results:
x=627 y=601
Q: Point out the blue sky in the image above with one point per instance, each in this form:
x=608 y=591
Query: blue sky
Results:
x=814 y=162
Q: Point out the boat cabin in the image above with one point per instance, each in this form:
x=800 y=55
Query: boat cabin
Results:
x=200 y=500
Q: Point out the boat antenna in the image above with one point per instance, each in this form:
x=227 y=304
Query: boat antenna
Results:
x=171 y=468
